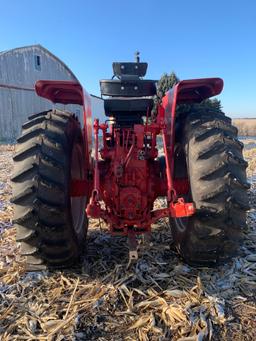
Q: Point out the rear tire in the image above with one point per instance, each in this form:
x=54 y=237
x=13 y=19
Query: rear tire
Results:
x=51 y=226
x=218 y=187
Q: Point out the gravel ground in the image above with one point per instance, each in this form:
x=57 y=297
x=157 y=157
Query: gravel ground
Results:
x=158 y=298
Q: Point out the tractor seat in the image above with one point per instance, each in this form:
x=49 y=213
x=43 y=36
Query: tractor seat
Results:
x=124 y=106
x=128 y=87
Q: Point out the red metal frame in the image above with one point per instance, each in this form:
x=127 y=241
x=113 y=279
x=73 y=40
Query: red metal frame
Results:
x=130 y=181
x=127 y=177
x=122 y=198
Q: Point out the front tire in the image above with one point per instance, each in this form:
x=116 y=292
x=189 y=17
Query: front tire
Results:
x=217 y=175
x=51 y=226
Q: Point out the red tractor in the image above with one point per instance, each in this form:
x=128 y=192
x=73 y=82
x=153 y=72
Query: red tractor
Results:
x=57 y=184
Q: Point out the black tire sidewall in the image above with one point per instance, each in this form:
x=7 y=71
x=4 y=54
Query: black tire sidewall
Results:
x=74 y=136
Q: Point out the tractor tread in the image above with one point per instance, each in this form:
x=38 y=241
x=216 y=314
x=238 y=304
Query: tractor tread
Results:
x=43 y=113
x=217 y=174
x=20 y=173
x=33 y=122
x=25 y=151
x=41 y=189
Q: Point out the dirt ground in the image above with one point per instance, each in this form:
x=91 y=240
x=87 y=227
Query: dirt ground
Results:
x=158 y=298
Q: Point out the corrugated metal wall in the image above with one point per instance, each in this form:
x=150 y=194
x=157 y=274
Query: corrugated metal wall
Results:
x=19 y=68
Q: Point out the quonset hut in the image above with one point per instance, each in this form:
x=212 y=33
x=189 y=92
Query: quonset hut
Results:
x=20 y=68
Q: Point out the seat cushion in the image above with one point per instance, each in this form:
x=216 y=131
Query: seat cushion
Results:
x=127 y=88
x=138 y=106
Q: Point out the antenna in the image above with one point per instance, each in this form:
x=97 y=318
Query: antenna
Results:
x=137 y=57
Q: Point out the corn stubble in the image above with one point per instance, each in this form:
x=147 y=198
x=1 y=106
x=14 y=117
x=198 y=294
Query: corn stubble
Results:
x=158 y=298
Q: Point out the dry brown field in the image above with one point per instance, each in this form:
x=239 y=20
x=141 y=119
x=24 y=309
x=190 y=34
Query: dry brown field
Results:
x=159 y=298
x=246 y=126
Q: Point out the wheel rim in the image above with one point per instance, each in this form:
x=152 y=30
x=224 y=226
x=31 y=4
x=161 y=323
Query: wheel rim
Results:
x=77 y=203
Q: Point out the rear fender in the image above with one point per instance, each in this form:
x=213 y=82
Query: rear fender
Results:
x=191 y=91
x=69 y=92
x=187 y=91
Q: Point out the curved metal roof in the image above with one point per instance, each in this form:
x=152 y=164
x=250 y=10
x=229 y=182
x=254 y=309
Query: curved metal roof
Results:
x=43 y=49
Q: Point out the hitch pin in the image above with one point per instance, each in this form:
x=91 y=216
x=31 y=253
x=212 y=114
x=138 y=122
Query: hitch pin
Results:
x=133 y=249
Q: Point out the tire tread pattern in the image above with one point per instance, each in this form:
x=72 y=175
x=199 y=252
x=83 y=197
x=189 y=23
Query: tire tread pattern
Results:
x=217 y=175
x=40 y=190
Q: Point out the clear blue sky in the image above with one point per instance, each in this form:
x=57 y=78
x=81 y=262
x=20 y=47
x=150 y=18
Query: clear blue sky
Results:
x=197 y=38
